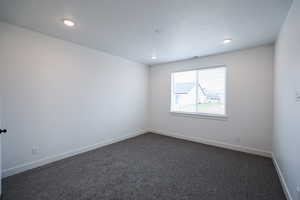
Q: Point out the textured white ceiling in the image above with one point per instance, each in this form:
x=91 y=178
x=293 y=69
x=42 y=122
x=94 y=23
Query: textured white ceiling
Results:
x=186 y=28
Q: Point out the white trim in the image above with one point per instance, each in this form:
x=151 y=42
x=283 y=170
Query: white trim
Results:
x=50 y=159
x=200 y=115
x=214 y=143
x=282 y=179
x=37 y=163
x=194 y=68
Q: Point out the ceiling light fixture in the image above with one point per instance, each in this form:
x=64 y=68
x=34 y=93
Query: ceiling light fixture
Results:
x=226 y=41
x=154 y=57
x=69 y=22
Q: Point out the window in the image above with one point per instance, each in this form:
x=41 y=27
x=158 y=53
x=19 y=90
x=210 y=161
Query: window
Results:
x=201 y=91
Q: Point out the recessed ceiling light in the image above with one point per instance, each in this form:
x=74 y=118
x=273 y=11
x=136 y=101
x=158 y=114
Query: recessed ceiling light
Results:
x=69 y=22
x=154 y=57
x=226 y=41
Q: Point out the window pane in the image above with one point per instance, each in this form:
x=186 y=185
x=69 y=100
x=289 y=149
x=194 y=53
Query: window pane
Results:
x=184 y=91
x=211 y=91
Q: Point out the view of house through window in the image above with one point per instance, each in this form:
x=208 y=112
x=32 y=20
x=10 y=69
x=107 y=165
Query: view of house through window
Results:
x=199 y=91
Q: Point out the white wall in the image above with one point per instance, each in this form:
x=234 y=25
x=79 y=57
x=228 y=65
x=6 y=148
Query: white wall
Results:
x=287 y=111
x=61 y=97
x=250 y=101
x=0 y=146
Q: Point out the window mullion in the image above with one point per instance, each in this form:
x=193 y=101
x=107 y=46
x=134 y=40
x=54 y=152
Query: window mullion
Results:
x=197 y=87
x=172 y=92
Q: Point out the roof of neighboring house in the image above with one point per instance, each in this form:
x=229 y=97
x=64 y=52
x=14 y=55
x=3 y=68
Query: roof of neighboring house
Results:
x=214 y=95
x=183 y=88
x=203 y=90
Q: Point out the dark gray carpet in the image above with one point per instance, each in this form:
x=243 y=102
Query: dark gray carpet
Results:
x=150 y=167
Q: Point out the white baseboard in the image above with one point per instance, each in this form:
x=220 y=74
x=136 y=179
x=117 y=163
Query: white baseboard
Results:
x=47 y=160
x=214 y=143
x=232 y=147
x=282 y=179
x=37 y=163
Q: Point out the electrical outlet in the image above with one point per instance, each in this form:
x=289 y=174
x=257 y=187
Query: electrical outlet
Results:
x=238 y=140
x=35 y=151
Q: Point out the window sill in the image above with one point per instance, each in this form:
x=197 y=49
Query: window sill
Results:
x=201 y=115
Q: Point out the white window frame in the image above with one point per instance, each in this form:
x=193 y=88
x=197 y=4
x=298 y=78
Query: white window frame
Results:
x=199 y=114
